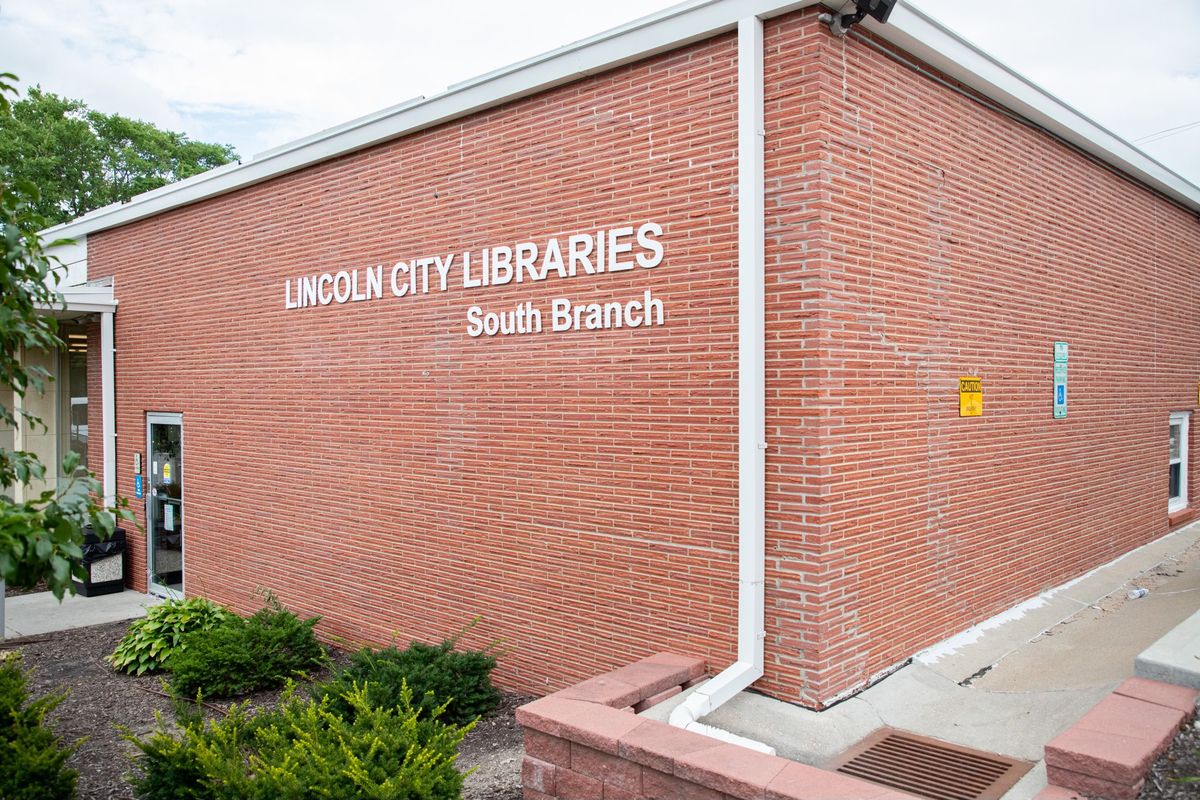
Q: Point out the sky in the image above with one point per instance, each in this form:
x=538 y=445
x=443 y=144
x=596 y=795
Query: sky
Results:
x=259 y=73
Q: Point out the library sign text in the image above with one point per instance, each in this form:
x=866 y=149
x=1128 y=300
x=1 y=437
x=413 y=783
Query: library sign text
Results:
x=613 y=250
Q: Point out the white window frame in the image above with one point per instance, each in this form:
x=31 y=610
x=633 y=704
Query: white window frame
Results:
x=1180 y=418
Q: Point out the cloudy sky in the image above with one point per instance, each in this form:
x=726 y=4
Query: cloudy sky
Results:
x=258 y=73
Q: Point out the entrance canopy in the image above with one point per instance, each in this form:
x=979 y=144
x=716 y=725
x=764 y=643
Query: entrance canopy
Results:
x=79 y=301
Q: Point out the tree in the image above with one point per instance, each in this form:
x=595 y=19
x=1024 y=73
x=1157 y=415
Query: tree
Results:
x=83 y=159
x=41 y=537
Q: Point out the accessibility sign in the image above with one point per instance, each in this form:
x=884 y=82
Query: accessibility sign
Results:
x=1060 y=380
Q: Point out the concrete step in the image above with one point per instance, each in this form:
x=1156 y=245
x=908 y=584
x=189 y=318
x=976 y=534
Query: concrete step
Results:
x=1175 y=658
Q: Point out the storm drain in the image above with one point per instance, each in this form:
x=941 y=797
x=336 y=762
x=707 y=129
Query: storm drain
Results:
x=929 y=768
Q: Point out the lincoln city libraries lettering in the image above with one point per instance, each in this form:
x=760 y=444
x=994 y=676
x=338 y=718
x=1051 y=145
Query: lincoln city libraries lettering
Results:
x=611 y=250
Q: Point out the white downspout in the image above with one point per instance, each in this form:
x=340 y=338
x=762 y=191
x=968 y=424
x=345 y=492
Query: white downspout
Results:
x=108 y=408
x=751 y=402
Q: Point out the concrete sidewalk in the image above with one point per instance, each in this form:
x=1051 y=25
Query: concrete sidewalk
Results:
x=1008 y=685
x=33 y=614
x=1175 y=658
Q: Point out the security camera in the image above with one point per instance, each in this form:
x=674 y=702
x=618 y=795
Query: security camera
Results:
x=878 y=10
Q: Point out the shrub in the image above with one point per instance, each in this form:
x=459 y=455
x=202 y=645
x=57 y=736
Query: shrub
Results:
x=437 y=675
x=305 y=749
x=32 y=757
x=242 y=655
x=153 y=639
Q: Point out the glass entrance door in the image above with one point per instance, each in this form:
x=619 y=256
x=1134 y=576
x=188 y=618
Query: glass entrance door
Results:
x=164 y=503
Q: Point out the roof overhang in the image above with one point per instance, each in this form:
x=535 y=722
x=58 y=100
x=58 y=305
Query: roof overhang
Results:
x=908 y=29
x=79 y=301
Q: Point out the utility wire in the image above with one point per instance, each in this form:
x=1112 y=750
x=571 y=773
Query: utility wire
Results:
x=1165 y=130
x=1167 y=133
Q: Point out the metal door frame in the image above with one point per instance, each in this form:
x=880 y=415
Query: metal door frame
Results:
x=163 y=418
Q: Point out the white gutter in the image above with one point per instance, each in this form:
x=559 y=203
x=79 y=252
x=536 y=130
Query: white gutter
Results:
x=752 y=402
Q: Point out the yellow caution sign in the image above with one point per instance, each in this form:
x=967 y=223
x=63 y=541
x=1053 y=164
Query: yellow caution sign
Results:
x=970 y=397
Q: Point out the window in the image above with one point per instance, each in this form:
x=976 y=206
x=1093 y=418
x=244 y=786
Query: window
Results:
x=1178 y=468
x=73 y=393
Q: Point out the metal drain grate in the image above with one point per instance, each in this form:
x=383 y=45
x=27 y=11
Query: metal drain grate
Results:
x=929 y=768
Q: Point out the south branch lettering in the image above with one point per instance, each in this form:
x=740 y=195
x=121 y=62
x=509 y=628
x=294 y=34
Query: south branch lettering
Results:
x=563 y=315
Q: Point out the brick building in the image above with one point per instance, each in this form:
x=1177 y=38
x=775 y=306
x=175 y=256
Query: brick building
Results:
x=480 y=354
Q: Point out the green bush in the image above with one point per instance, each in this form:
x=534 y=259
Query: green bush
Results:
x=242 y=655
x=437 y=674
x=304 y=749
x=30 y=753
x=154 y=638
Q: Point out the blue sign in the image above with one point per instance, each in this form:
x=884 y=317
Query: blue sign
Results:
x=1060 y=390
x=137 y=486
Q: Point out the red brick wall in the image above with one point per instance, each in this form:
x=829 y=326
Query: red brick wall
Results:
x=951 y=240
x=374 y=464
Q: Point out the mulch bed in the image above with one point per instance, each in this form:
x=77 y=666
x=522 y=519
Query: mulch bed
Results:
x=100 y=702
x=1181 y=761
x=13 y=591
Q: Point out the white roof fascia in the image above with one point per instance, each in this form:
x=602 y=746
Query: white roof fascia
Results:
x=666 y=30
x=908 y=28
x=71 y=269
x=70 y=253
x=928 y=40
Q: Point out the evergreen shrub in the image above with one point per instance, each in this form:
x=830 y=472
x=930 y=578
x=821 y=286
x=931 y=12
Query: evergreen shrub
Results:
x=438 y=675
x=245 y=654
x=305 y=749
x=32 y=760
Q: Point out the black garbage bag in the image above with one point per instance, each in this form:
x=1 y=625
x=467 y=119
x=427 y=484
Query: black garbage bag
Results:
x=95 y=548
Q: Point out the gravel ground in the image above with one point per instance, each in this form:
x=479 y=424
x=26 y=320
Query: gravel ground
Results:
x=1181 y=761
x=100 y=702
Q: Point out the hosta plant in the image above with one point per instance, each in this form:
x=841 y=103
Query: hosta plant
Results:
x=156 y=637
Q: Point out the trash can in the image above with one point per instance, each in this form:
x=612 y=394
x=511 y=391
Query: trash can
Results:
x=104 y=562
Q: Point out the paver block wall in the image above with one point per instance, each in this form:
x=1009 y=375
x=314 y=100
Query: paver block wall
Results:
x=586 y=743
x=1111 y=749
x=374 y=464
